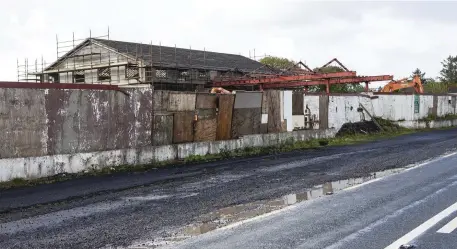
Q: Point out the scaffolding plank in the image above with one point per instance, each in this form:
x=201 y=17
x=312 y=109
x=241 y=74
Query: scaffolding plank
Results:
x=205 y=130
x=224 y=117
x=162 y=129
x=183 y=127
x=206 y=101
x=246 y=121
x=274 y=111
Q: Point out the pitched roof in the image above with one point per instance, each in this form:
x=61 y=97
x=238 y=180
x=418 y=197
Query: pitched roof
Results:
x=186 y=58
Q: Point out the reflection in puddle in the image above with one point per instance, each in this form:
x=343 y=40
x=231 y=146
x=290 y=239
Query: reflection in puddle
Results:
x=229 y=215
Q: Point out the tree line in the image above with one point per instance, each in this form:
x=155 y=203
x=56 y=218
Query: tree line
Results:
x=447 y=78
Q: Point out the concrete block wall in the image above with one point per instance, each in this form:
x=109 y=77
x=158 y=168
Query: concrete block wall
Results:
x=44 y=166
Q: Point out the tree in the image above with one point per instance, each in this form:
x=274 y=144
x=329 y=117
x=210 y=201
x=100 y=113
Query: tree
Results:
x=421 y=75
x=277 y=62
x=449 y=71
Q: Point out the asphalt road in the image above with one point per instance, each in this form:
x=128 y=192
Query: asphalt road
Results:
x=413 y=207
x=146 y=208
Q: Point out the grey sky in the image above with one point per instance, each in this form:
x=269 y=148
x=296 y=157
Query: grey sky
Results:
x=369 y=37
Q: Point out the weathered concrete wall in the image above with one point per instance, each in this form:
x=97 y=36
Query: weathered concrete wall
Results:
x=401 y=107
x=37 y=122
x=344 y=109
x=43 y=166
x=446 y=105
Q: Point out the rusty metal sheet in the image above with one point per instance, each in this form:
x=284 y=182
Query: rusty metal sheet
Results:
x=178 y=102
x=274 y=111
x=22 y=123
x=121 y=114
x=160 y=100
x=248 y=100
x=297 y=103
x=183 y=127
x=162 y=129
x=205 y=130
x=206 y=101
x=143 y=117
x=206 y=113
x=246 y=121
x=263 y=128
x=224 y=117
x=264 y=103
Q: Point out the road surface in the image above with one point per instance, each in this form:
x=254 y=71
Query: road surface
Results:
x=174 y=205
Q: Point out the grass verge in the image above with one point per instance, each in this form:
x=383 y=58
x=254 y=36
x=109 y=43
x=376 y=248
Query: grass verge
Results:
x=287 y=146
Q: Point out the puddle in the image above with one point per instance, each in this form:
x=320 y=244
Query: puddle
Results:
x=233 y=214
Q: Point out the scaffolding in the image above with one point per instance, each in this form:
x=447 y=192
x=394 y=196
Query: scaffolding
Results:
x=133 y=65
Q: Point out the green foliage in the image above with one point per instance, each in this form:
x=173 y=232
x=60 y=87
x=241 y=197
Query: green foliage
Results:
x=433 y=86
x=449 y=71
x=277 y=62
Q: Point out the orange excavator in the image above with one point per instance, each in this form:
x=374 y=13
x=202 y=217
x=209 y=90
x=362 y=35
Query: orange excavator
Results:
x=395 y=85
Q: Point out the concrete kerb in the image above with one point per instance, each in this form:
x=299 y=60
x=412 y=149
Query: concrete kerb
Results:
x=416 y=124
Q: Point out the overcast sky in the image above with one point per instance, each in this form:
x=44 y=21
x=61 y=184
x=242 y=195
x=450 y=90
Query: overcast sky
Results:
x=369 y=37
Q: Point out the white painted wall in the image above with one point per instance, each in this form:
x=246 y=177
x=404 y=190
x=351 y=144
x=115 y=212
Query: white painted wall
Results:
x=445 y=106
x=312 y=102
x=401 y=107
x=288 y=110
x=343 y=109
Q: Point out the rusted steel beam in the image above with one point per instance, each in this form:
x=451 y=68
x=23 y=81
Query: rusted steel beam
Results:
x=13 y=84
x=359 y=79
x=338 y=62
x=279 y=79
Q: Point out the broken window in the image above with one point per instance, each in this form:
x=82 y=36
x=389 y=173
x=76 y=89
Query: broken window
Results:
x=132 y=72
x=104 y=74
x=202 y=74
x=78 y=76
x=183 y=76
x=161 y=73
x=54 y=78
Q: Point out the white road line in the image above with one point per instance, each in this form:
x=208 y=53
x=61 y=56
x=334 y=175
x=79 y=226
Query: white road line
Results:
x=423 y=227
x=449 y=227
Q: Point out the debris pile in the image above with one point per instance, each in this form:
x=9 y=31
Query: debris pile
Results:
x=367 y=127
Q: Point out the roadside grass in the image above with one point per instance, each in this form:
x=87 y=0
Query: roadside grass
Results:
x=290 y=145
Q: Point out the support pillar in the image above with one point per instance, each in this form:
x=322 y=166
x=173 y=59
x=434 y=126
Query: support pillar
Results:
x=327 y=87
x=366 y=86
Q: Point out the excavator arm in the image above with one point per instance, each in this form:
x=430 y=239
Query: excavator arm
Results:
x=395 y=85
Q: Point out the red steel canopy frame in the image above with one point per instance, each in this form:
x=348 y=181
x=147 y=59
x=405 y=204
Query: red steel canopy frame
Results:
x=278 y=79
x=358 y=79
